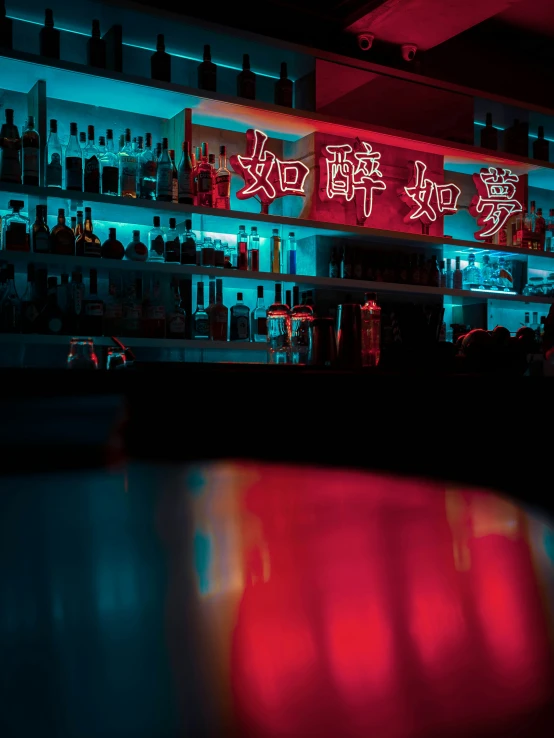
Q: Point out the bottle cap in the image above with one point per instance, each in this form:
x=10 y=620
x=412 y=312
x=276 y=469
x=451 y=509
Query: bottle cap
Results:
x=72 y=128
x=112 y=232
x=136 y=234
x=188 y=224
x=239 y=295
x=53 y=126
x=172 y=223
x=156 y=221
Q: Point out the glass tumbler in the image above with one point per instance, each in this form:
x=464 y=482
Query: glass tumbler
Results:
x=81 y=354
x=115 y=358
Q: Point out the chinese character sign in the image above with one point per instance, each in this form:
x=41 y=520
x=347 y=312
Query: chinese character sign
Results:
x=427 y=199
x=495 y=201
x=265 y=176
x=350 y=173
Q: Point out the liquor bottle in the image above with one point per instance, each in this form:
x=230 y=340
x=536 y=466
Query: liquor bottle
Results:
x=63 y=297
x=185 y=194
x=246 y=80
x=31 y=150
x=52 y=317
x=334 y=264
x=278 y=329
x=156 y=242
x=207 y=72
x=540 y=146
x=301 y=318
x=219 y=253
x=208 y=255
x=93 y=308
x=489 y=135
x=10 y=148
x=96 y=47
x=540 y=229
x=41 y=232
x=78 y=230
x=112 y=248
x=502 y=276
x=160 y=61
x=275 y=253
x=188 y=244
x=132 y=309
x=91 y=156
x=346 y=264
x=148 y=165
x=154 y=318
x=29 y=310
x=289 y=298
x=136 y=250
x=259 y=319
x=196 y=157
x=211 y=295
x=177 y=317
x=128 y=168
x=73 y=161
x=200 y=318
x=164 y=176
x=254 y=250
x=371 y=330
x=433 y=274
x=76 y=302
x=6 y=28
x=219 y=315
x=73 y=223
x=205 y=179
x=223 y=182
x=174 y=177
x=62 y=238
x=442 y=274
x=457 y=276
x=284 y=88
x=53 y=157
x=229 y=255
x=110 y=167
x=172 y=243
x=291 y=254
x=549 y=242
x=10 y=306
x=15 y=234
x=88 y=243
x=49 y=37
x=240 y=320
x=486 y=272
x=242 y=249
x=530 y=225
x=113 y=310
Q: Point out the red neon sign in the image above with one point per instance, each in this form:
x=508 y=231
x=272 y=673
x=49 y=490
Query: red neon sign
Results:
x=495 y=201
x=349 y=172
x=426 y=198
x=265 y=176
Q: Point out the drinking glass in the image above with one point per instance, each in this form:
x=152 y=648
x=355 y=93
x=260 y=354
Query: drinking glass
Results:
x=81 y=354
x=115 y=358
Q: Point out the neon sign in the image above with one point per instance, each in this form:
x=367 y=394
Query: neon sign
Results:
x=426 y=198
x=265 y=176
x=495 y=201
x=349 y=172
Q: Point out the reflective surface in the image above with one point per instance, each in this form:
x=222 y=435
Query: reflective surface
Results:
x=258 y=601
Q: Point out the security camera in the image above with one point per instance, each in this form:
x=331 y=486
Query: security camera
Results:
x=365 y=41
x=408 y=52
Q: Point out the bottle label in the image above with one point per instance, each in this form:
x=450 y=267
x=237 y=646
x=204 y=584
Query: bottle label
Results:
x=11 y=168
x=223 y=185
x=174 y=189
x=242 y=328
x=42 y=242
x=204 y=181
x=165 y=183
x=92 y=175
x=219 y=257
x=54 y=171
x=177 y=325
x=201 y=327
x=136 y=252
x=30 y=162
x=17 y=238
x=185 y=183
x=155 y=312
x=63 y=241
x=110 y=180
x=173 y=250
x=208 y=258
x=157 y=246
x=188 y=251
x=94 y=309
x=261 y=326
x=73 y=172
x=91 y=248
x=149 y=170
x=129 y=179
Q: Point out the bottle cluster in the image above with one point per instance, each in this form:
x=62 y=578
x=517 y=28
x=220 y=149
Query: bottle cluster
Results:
x=515 y=139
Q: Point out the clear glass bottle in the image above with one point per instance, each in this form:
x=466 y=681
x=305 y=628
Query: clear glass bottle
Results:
x=208 y=255
x=291 y=253
x=188 y=244
x=242 y=249
x=73 y=161
x=502 y=275
x=10 y=305
x=240 y=320
x=301 y=318
x=16 y=230
x=442 y=274
x=110 y=167
x=219 y=254
x=174 y=177
x=449 y=274
x=128 y=168
x=219 y=315
x=10 y=151
x=284 y=88
x=54 y=157
x=177 y=316
x=457 y=276
x=62 y=238
x=148 y=166
x=156 y=241
x=278 y=328
x=172 y=243
x=136 y=250
x=185 y=191
x=486 y=272
x=160 y=61
x=164 y=175
x=41 y=232
x=275 y=253
x=31 y=154
x=371 y=330
x=472 y=274
x=246 y=80
x=207 y=72
x=91 y=156
x=254 y=250
x=112 y=248
x=204 y=180
x=223 y=182
x=88 y=243
x=200 y=318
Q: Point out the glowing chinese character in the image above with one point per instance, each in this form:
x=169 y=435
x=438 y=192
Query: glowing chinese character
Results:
x=426 y=198
x=350 y=174
x=266 y=176
x=496 y=200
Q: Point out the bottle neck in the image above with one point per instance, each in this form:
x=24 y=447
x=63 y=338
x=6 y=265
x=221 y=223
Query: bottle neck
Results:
x=223 y=161
x=88 y=224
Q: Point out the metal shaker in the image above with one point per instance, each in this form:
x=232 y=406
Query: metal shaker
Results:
x=324 y=346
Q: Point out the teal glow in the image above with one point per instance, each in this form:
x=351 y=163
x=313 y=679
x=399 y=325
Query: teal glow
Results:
x=498 y=128
x=202 y=559
x=195 y=482
x=147 y=48
x=549 y=544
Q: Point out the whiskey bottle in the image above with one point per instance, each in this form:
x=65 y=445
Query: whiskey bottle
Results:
x=177 y=318
x=110 y=167
x=185 y=188
x=96 y=47
x=275 y=252
x=160 y=62
x=91 y=156
x=254 y=250
x=112 y=248
x=242 y=249
x=136 y=250
x=207 y=72
x=10 y=149
x=6 y=28
x=219 y=315
x=88 y=243
x=62 y=238
x=540 y=146
x=41 y=232
x=148 y=165
x=156 y=242
x=128 y=168
x=49 y=37
x=246 y=80
x=284 y=88
x=172 y=243
x=15 y=233
x=200 y=318
x=223 y=182
x=73 y=161
x=174 y=177
x=53 y=157
x=205 y=180
x=489 y=135
x=240 y=320
x=164 y=176
x=30 y=157
x=188 y=244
